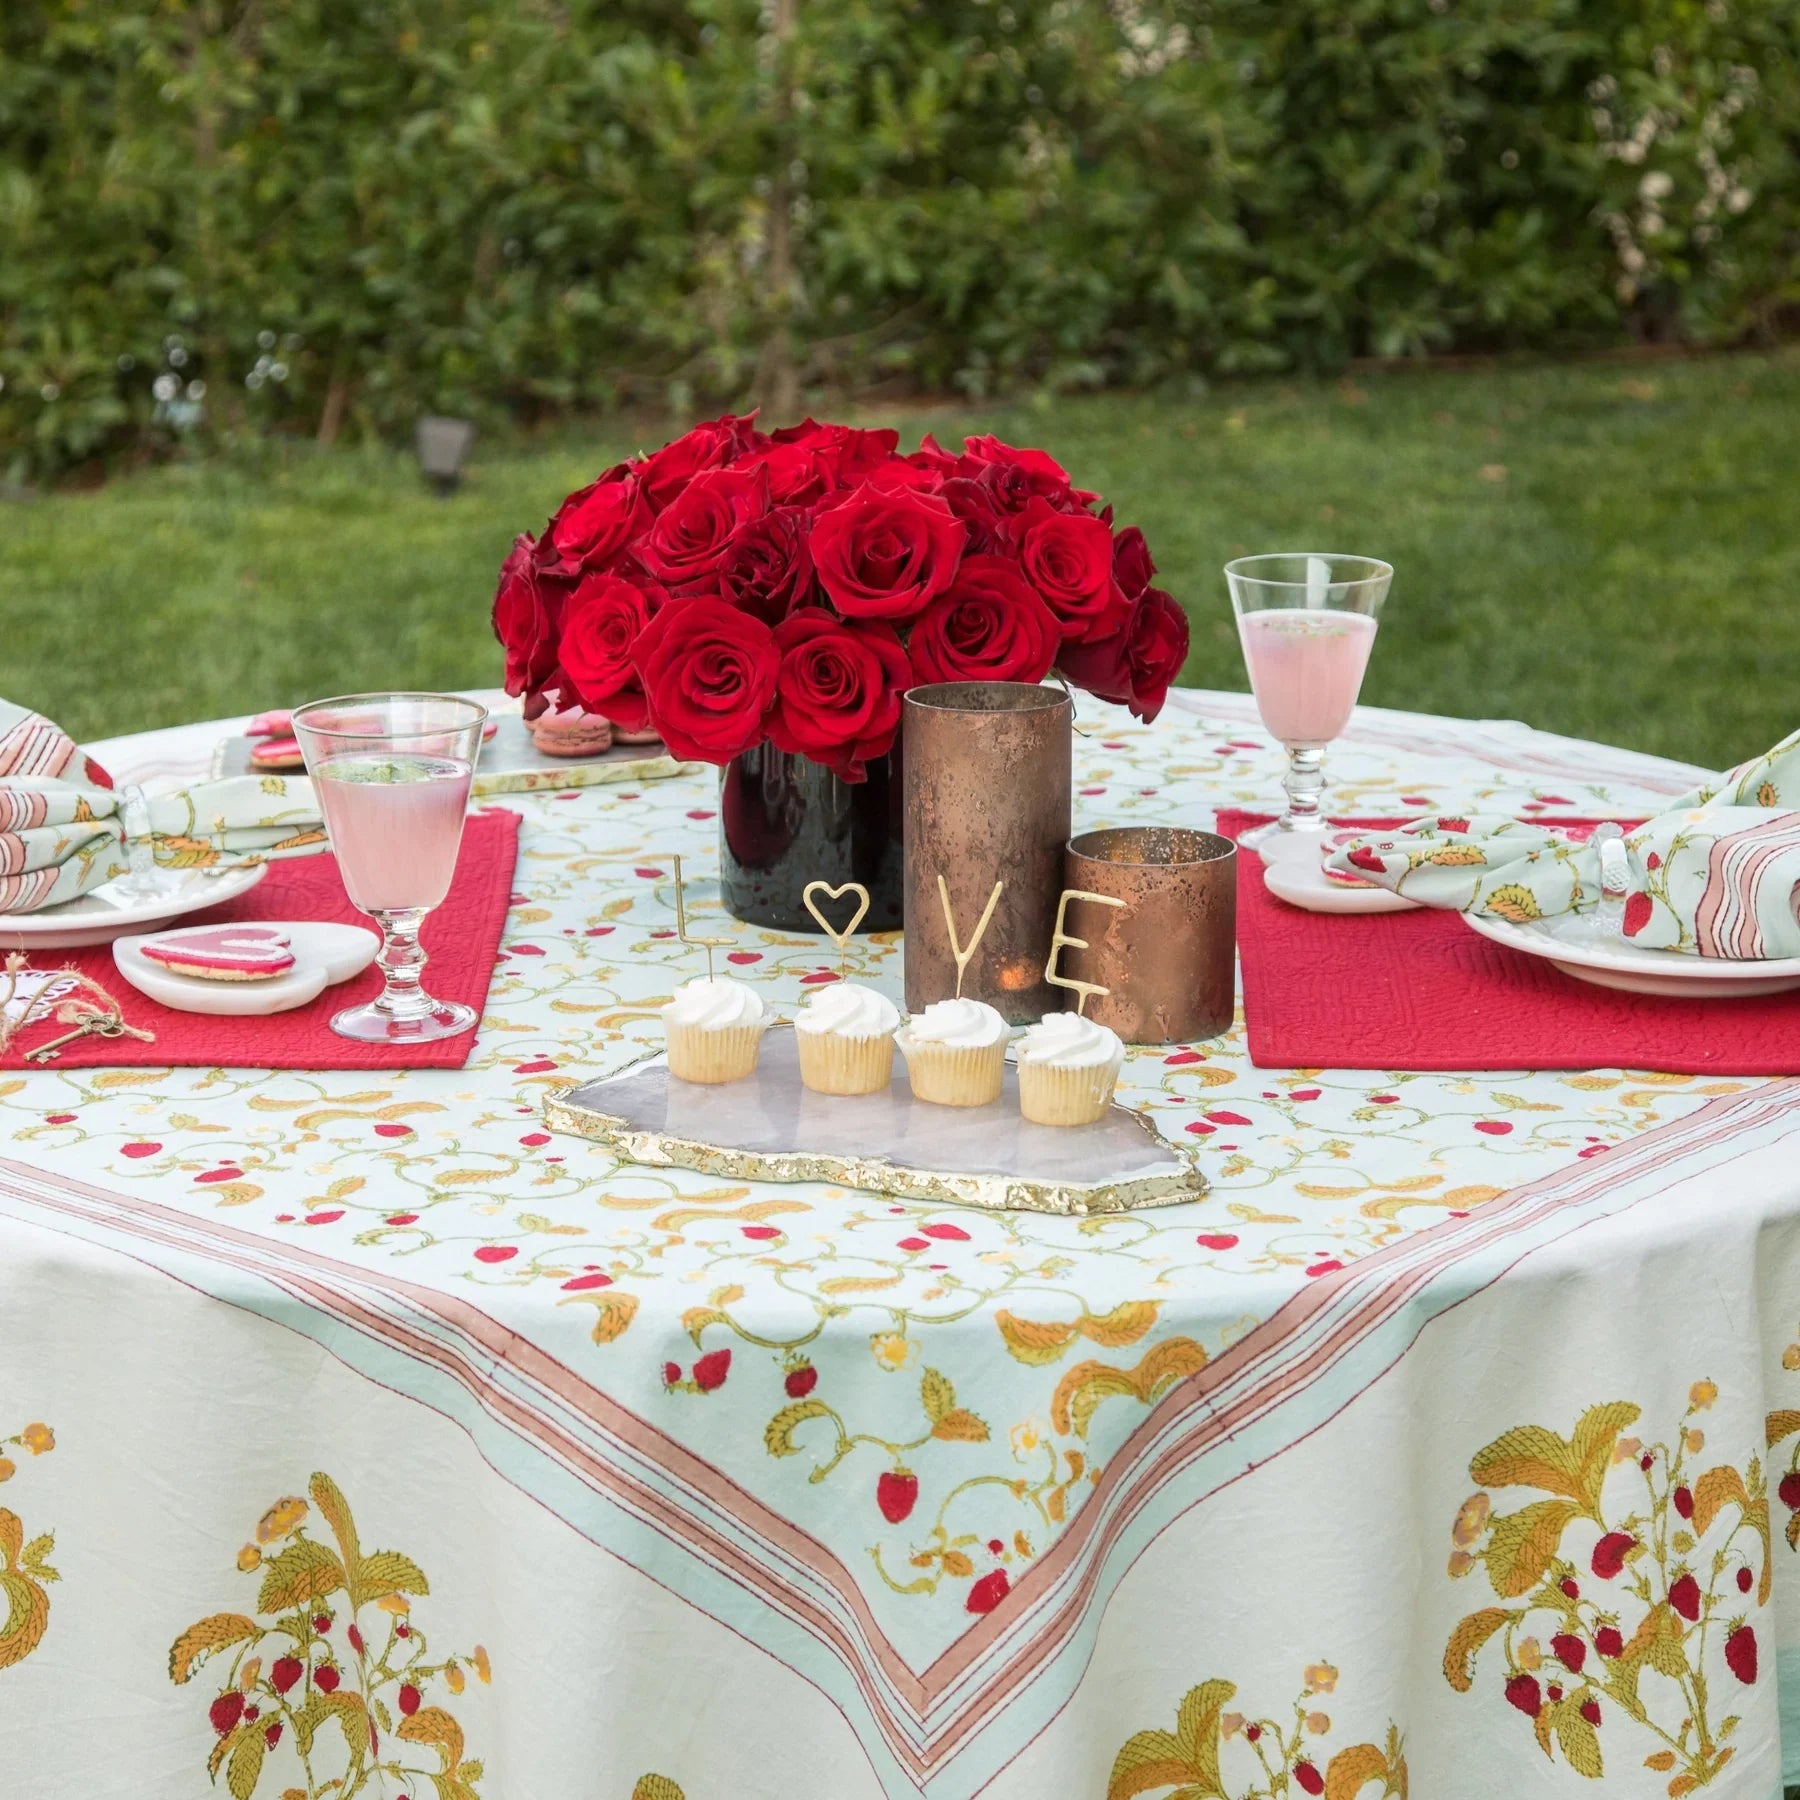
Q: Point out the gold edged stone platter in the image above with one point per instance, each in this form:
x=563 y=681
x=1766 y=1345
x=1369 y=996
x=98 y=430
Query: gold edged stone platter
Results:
x=771 y=1127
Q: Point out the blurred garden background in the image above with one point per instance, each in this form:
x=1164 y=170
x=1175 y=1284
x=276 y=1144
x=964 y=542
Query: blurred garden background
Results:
x=1498 y=289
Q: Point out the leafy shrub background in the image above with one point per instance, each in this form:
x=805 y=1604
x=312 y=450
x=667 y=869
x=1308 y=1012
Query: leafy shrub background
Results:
x=333 y=214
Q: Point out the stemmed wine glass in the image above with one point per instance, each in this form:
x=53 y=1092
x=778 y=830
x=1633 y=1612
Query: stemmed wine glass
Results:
x=1307 y=624
x=392 y=775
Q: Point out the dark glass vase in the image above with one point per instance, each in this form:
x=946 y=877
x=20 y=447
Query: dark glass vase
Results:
x=785 y=820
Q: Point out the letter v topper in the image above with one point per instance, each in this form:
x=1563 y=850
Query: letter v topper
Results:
x=1059 y=939
x=709 y=944
x=957 y=951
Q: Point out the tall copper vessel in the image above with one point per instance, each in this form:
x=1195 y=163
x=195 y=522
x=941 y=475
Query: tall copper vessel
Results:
x=1168 y=955
x=988 y=774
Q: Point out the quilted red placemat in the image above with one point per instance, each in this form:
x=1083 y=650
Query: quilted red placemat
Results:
x=1420 y=990
x=462 y=939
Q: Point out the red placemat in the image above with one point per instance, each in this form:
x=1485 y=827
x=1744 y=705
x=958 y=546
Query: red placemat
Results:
x=461 y=938
x=1420 y=990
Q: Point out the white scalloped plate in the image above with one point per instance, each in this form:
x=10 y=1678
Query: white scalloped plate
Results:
x=101 y=916
x=1635 y=970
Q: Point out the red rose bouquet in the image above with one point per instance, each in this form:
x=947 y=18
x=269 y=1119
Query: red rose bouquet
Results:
x=736 y=588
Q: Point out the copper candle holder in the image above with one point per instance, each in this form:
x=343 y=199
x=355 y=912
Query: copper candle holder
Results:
x=988 y=796
x=1163 y=966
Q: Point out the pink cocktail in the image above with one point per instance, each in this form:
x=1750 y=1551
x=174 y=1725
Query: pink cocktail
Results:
x=395 y=824
x=392 y=774
x=1307 y=625
x=1306 y=669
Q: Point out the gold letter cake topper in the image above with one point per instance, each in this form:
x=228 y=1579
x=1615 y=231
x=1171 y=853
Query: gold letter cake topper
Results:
x=959 y=952
x=840 y=938
x=1084 y=990
x=709 y=944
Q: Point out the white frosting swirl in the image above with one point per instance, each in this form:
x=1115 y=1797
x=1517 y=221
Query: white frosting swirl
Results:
x=848 y=1010
x=965 y=1023
x=715 y=1005
x=1065 y=1040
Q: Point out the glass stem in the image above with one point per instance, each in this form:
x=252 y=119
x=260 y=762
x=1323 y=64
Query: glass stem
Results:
x=1305 y=784
x=402 y=962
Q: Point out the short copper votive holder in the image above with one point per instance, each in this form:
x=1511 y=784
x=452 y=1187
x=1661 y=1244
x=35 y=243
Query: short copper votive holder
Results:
x=1168 y=956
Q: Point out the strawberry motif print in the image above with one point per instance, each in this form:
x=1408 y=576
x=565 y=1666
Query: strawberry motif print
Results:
x=391 y=1696
x=1607 y=1658
x=1217 y=1751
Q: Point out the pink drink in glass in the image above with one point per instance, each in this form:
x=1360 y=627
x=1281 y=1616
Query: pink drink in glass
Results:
x=395 y=824
x=392 y=774
x=1306 y=669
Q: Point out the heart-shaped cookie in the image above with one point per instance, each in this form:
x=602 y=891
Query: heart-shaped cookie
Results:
x=222 y=952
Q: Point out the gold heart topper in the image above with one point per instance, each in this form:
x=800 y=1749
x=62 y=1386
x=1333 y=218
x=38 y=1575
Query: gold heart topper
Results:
x=840 y=938
x=959 y=952
x=709 y=944
x=1084 y=990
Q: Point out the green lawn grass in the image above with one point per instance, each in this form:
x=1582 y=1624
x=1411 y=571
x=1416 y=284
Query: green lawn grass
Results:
x=1603 y=549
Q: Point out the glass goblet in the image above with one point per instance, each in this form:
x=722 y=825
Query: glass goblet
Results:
x=1307 y=624
x=392 y=774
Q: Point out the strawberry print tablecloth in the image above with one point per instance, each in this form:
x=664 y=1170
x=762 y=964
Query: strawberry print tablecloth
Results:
x=360 y=1438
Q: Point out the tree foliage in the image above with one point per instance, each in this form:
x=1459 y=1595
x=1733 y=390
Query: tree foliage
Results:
x=338 y=213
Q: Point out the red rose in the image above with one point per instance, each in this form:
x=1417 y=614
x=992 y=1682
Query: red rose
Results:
x=690 y=537
x=708 y=672
x=1132 y=567
x=767 y=568
x=710 y=446
x=798 y=474
x=845 y=454
x=983 y=517
x=991 y=626
x=837 y=698
x=1068 y=558
x=1033 y=471
x=526 y=611
x=594 y=524
x=602 y=622
x=1134 y=666
x=883 y=554
x=932 y=456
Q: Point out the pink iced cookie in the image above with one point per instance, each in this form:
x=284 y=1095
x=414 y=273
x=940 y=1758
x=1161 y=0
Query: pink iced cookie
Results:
x=278 y=724
x=222 y=952
x=277 y=753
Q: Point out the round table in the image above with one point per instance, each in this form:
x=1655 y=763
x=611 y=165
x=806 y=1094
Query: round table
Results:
x=380 y=1437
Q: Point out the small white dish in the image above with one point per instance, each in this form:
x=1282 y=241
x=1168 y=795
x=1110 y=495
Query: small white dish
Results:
x=1635 y=970
x=106 y=913
x=323 y=955
x=1293 y=870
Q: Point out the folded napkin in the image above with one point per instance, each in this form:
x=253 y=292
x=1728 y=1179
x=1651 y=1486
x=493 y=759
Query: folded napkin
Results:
x=64 y=830
x=1718 y=874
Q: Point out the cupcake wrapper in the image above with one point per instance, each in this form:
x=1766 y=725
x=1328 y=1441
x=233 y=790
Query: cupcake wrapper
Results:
x=952 y=1075
x=831 y=1063
x=696 y=1054
x=1053 y=1096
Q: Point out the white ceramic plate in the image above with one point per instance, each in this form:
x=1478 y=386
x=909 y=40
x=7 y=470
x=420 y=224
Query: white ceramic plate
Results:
x=1293 y=870
x=323 y=954
x=1635 y=970
x=103 y=915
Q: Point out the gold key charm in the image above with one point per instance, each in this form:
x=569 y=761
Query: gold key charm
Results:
x=95 y=1025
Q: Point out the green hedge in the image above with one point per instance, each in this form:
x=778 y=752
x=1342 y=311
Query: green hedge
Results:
x=337 y=213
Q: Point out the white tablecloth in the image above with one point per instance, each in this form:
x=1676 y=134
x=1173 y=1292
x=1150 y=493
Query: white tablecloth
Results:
x=1343 y=1477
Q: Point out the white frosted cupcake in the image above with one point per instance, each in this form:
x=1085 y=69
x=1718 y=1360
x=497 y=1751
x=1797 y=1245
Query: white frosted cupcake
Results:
x=845 y=1036
x=714 y=1030
x=955 y=1052
x=1068 y=1068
